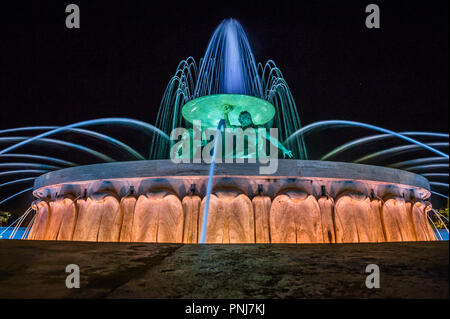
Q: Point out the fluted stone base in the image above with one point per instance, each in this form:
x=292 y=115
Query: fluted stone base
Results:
x=166 y=207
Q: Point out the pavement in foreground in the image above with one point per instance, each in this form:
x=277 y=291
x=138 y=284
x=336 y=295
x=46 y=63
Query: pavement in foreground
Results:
x=36 y=269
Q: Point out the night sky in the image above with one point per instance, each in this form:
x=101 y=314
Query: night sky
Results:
x=119 y=62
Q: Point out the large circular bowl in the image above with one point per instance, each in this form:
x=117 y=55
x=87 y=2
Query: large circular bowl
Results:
x=209 y=109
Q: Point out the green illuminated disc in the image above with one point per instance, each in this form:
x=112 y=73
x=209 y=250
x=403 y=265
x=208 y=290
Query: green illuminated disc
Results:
x=209 y=109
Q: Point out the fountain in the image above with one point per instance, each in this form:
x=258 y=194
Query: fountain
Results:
x=237 y=198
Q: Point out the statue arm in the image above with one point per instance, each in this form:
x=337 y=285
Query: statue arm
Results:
x=227 y=120
x=227 y=110
x=279 y=145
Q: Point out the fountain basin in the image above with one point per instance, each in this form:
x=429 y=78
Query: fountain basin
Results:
x=304 y=202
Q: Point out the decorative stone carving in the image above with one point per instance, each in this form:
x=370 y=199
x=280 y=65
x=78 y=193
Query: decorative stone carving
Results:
x=191 y=207
x=230 y=218
x=293 y=216
x=158 y=218
x=261 y=207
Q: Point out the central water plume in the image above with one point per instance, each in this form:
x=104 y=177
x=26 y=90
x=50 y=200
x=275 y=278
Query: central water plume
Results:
x=234 y=79
x=228 y=65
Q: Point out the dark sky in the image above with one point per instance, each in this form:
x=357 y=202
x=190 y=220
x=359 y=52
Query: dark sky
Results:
x=121 y=59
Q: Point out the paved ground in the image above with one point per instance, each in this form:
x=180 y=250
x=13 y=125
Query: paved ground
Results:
x=36 y=269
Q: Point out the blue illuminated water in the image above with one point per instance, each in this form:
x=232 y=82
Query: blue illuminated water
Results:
x=210 y=182
x=443 y=233
x=7 y=233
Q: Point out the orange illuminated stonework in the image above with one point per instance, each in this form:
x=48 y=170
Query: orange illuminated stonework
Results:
x=243 y=209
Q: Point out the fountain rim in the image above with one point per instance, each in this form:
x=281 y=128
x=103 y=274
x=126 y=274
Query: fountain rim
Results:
x=287 y=169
